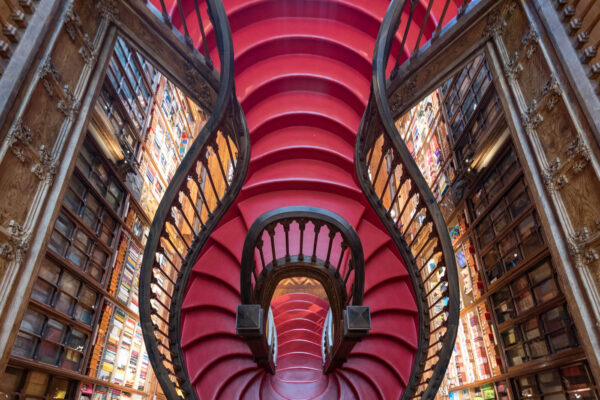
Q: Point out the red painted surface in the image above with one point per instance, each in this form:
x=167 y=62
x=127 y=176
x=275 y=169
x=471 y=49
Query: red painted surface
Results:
x=303 y=71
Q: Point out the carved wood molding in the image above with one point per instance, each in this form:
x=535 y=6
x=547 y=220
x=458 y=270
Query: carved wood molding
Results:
x=556 y=129
x=560 y=140
x=43 y=121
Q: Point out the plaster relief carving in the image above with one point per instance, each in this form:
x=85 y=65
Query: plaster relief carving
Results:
x=6 y=251
x=494 y=26
x=19 y=136
x=87 y=51
x=72 y=23
x=50 y=76
x=530 y=41
x=513 y=67
x=108 y=9
x=19 y=132
x=579 y=166
x=46 y=168
x=578 y=148
x=74 y=29
x=531 y=119
x=19 y=237
x=551 y=93
x=69 y=105
x=583 y=235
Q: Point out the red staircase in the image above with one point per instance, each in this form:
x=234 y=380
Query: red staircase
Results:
x=303 y=74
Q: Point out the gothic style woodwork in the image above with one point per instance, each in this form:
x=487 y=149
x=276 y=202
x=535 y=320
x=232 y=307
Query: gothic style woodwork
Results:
x=553 y=126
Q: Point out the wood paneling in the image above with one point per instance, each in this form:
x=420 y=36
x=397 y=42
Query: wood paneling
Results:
x=550 y=127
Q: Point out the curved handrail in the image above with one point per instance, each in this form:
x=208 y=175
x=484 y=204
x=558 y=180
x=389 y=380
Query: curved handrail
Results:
x=405 y=204
x=303 y=241
x=267 y=225
x=204 y=186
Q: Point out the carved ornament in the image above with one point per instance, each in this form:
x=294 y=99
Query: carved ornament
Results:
x=108 y=9
x=69 y=105
x=404 y=93
x=530 y=41
x=19 y=238
x=45 y=169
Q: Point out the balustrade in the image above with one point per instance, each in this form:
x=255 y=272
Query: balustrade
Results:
x=303 y=241
x=405 y=204
x=202 y=189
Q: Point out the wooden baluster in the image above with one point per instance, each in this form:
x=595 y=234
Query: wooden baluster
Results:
x=411 y=12
x=422 y=30
x=259 y=246
x=163 y=252
x=389 y=176
x=384 y=150
x=463 y=8
x=317 y=226
x=344 y=247
x=418 y=207
x=271 y=231
x=286 y=230
x=185 y=218
x=351 y=294
x=212 y=183
x=441 y=21
x=15 y=14
x=332 y=234
x=437 y=285
x=166 y=236
x=165 y=14
x=437 y=249
x=425 y=244
x=397 y=189
x=158 y=267
x=370 y=156
x=186 y=33
x=174 y=224
x=216 y=150
x=349 y=271
x=9 y=30
x=412 y=192
x=203 y=196
x=204 y=44
x=254 y=271
x=198 y=213
x=302 y=226
x=423 y=224
x=231 y=157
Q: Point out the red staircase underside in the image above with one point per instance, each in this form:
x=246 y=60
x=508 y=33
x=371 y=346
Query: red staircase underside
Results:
x=303 y=72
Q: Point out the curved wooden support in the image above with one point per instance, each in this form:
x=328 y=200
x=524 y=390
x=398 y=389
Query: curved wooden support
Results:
x=311 y=242
x=403 y=201
x=203 y=188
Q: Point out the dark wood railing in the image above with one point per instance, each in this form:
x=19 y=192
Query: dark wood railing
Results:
x=311 y=242
x=406 y=50
x=405 y=204
x=204 y=186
